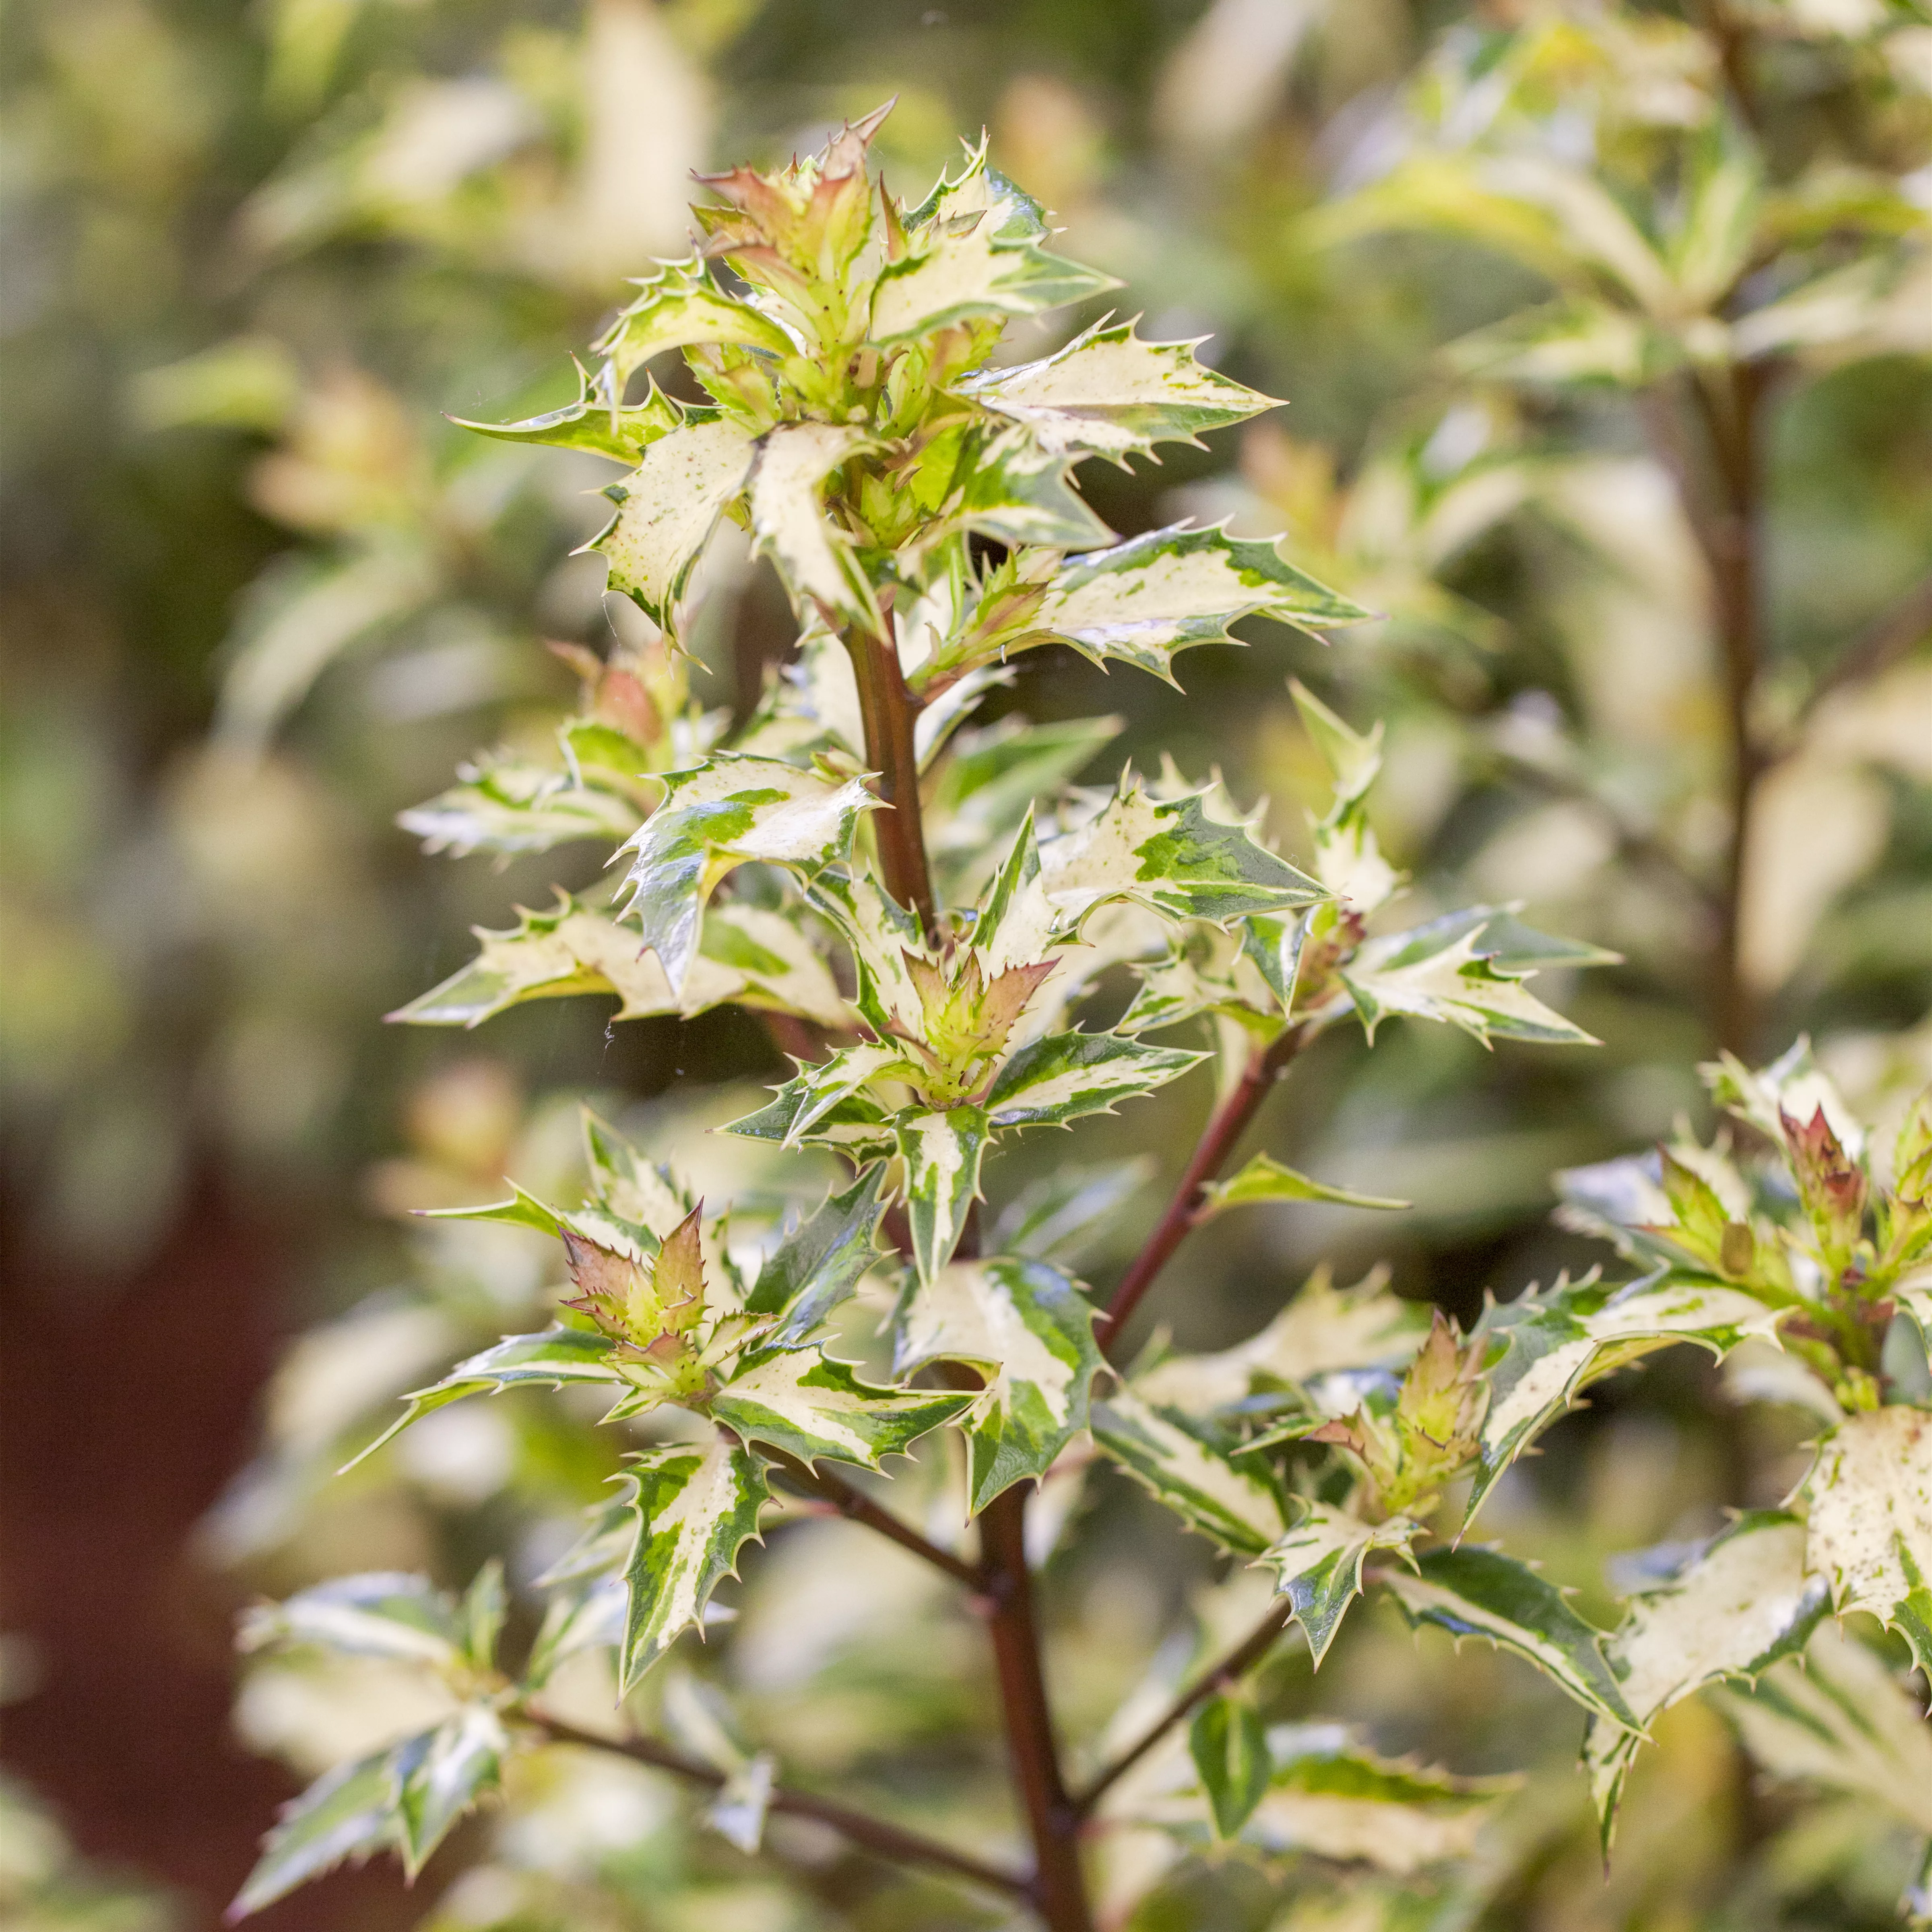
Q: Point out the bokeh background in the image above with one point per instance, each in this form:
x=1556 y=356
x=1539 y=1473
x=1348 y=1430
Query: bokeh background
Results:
x=259 y=596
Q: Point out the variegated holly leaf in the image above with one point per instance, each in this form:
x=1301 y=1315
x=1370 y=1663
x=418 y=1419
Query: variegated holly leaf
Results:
x=942 y=1149
x=819 y=1264
x=1558 y=1341
x=1323 y=1330
x=693 y=1506
x=819 y=1092
x=857 y=1126
x=1265 y=1179
x=348 y=1813
x=1734 y=1609
x=624 y=1184
x=1795 y=1085
x=1472 y=1592
x=1228 y=1744
x=1328 y=1794
x=717 y=816
x=1107 y=393
x=591 y=423
x=1006 y=488
x=803 y=1401
x=1353 y=758
x=440 y=1775
x=1839 y=1717
x=974 y=249
x=745 y=953
x=883 y=935
x=1030 y=1331
x=505 y=804
x=668 y=507
x=1317 y=1566
x=1869 y=1527
x=1237 y=1506
x=680 y=306
x=815 y=557
x=1168 y=855
x=1467 y=969
x=387 y=1614
x=556 y=1356
x=1141 y=601
x=1059 y=1078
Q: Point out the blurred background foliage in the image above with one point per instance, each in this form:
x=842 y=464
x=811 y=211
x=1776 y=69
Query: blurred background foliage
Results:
x=259 y=596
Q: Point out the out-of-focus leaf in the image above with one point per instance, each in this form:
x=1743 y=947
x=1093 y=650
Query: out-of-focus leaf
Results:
x=384 y=1614
x=1265 y=1179
x=506 y=804
x=1737 y=1607
x=438 y=1777
x=1482 y=1593
x=1030 y=1331
x=347 y=1813
x=1058 y=1217
x=1228 y=1744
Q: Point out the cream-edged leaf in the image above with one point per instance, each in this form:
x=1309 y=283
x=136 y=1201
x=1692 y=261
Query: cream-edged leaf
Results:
x=1238 y=1507
x=556 y=1356
x=1472 y=1592
x=678 y=307
x=387 y=1614
x=1317 y=1566
x=1328 y=1794
x=666 y=509
x=1559 y=1341
x=347 y=1813
x=505 y=804
x=820 y=1090
x=1141 y=602
x=1869 y=1522
x=1740 y=1604
x=440 y=1775
x=747 y=954
x=819 y=1264
x=1029 y=1330
x=590 y=423
x=1265 y=1178
x=718 y=816
x=942 y=1149
x=975 y=250
x=1109 y=394
x=1009 y=489
x=789 y=523
x=1064 y=1076
x=803 y=1402
x=1169 y=855
x=692 y=1507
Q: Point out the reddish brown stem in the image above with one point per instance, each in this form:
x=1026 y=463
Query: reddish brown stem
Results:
x=875 y=1835
x=1229 y=1669
x=1230 y=1120
x=887 y=709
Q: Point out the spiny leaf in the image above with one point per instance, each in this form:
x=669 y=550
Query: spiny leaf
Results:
x=814 y=556
x=1740 y=1604
x=693 y=1506
x=1109 y=393
x=942 y=1150
x=1065 y=1076
x=592 y=423
x=1029 y=1330
x=1482 y=1593
x=818 y=1264
x=1870 y=1524
x=1238 y=1507
x=347 y=1813
x=1008 y=488
x=556 y=1356
x=716 y=817
x=1265 y=1179
x=975 y=250
x=1560 y=1341
x=1317 y=1566
x=666 y=509
x=745 y=953
x=680 y=306
x=505 y=804
x=438 y=1777
x=802 y=1401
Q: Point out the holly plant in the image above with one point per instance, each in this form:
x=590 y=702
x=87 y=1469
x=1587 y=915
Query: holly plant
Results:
x=925 y=910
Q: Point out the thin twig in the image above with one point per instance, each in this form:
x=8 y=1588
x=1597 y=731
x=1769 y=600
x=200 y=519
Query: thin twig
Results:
x=855 y=1504
x=874 y=1834
x=1883 y=642
x=1230 y=1120
x=1235 y=1665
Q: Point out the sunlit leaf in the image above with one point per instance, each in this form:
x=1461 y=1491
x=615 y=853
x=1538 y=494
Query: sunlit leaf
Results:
x=802 y=1401
x=1238 y=1507
x=1064 y=1076
x=384 y=1614
x=438 y=1777
x=1317 y=1566
x=679 y=306
x=591 y=423
x=942 y=1150
x=820 y=1263
x=789 y=522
